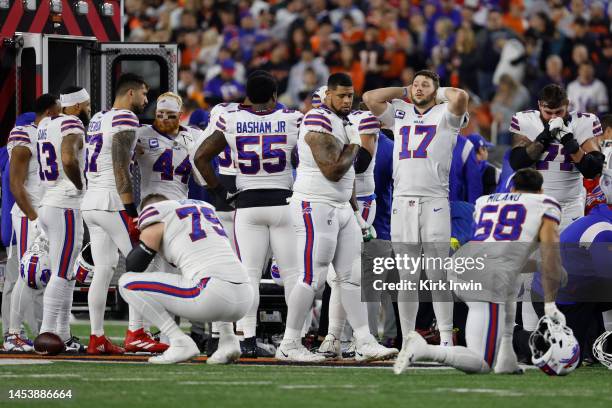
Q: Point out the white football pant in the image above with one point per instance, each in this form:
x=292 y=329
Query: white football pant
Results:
x=159 y=296
x=257 y=229
x=108 y=232
x=64 y=229
x=423 y=224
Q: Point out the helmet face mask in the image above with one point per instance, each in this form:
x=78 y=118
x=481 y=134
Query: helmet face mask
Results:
x=554 y=348
x=602 y=349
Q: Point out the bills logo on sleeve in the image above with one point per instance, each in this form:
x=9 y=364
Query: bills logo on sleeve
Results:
x=153 y=143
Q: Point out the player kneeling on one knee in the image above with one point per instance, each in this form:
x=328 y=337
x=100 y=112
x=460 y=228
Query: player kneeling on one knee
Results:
x=212 y=284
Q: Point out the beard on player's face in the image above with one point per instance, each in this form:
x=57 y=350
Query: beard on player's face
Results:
x=422 y=100
x=84 y=116
x=166 y=125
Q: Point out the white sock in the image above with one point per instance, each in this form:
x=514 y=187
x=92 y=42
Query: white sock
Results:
x=96 y=298
x=52 y=304
x=446 y=337
x=300 y=303
x=20 y=299
x=458 y=357
x=337 y=315
x=356 y=310
x=63 y=319
x=249 y=322
x=135 y=320
x=214 y=329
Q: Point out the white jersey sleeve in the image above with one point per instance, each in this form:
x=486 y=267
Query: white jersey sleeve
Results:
x=25 y=136
x=317 y=121
x=586 y=126
x=72 y=125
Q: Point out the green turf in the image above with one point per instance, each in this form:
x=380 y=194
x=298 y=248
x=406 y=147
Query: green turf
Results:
x=142 y=385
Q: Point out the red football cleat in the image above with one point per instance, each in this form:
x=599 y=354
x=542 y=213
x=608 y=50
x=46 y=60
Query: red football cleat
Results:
x=102 y=345
x=141 y=341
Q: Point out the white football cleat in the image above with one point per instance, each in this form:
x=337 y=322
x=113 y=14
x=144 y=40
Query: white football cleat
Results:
x=330 y=348
x=180 y=350
x=293 y=350
x=370 y=350
x=411 y=349
x=227 y=352
x=18 y=342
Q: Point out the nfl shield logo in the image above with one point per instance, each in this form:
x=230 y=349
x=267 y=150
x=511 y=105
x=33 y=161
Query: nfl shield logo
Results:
x=153 y=143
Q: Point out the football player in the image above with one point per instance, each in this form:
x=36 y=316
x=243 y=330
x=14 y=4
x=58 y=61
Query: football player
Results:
x=213 y=284
x=25 y=186
x=108 y=206
x=262 y=138
x=425 y=135
x=163 y=150
x=327 y=232
x=510 y=225
x=60 y=145
x=562 y=146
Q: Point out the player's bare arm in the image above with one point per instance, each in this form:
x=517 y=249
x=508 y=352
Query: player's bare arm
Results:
x=121 y=155
x=71 y=146
x=525 y=152
x=333 y=159
x=18 y=173
x=457 y=100
x=377 y=99
x=551 y=258
x=205 y=154
x=353 y=199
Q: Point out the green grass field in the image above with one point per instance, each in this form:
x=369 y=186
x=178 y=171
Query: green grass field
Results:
x=103 y=384
x=142 y=385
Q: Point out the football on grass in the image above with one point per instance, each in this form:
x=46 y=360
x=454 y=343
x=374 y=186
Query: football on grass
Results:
x=48 y=344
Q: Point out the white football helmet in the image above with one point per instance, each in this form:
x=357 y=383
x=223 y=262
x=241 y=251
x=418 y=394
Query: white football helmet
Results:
x=318 y=96
x=599 y=349
x=35 y=266
x=83 y=271
x=554 y=348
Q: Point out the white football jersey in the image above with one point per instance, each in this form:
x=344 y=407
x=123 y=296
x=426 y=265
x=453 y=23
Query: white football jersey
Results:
x=164 y=164
x=562 y=180
x=423 y=148
x=58 y=189
x=261 y=145
x=507 y=233
x=26 y=136
x=367 y=124
x=194 y=240
x=101 y=188
x=310 y=183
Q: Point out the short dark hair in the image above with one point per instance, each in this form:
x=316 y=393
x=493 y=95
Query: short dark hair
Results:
x=528 y=179
x=429 y=74
x=44 y=102
x=260 y=87
x=339 y=79
x=606 y=121
x=128 y=81
x=553 y=96
x=152 y=198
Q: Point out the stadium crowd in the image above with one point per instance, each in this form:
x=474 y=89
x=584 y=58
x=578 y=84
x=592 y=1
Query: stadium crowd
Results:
x=501 y=51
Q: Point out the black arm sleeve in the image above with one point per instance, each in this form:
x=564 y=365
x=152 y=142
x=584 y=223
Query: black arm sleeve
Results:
x=139 y=258
x=519 y=159
x=591 y=164
x=362 y=161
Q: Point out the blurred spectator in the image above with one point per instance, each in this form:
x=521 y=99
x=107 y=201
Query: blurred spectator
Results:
x=511 y=97
x=346 y=7
x=350 y=32
x=223 y=87
x=349 y=64
x=489 y=50
x=514 y=19
x=511 y=61
x=211 y=44
x=296 y=75
x=465 y=59
x=553 y=75
x=371 y=55
x=278 y=65
x=587 y=93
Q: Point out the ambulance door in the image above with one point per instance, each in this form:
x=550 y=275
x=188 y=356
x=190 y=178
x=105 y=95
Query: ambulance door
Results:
x=156 y=63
